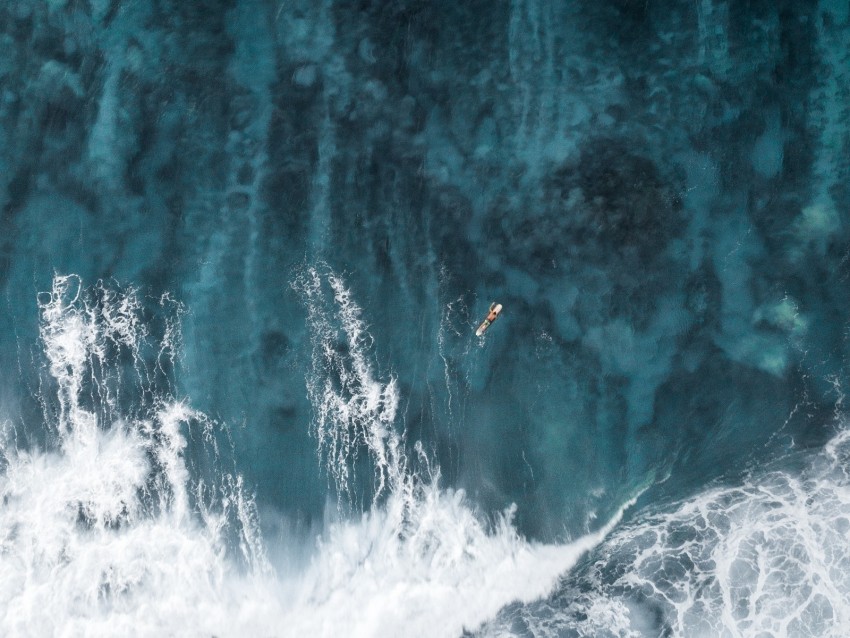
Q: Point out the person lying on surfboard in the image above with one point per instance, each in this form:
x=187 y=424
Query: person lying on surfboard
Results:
x=495 y=309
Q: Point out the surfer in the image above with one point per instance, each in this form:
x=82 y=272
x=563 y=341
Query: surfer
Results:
x=495 y=309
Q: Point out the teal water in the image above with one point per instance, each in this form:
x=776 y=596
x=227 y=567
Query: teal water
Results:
x=309 y=208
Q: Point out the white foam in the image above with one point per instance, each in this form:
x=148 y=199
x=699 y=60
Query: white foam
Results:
x=99 y=535
x=446 y=574
x=108 y=532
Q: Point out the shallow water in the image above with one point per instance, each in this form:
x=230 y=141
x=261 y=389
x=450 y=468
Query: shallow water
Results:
x=245 y=249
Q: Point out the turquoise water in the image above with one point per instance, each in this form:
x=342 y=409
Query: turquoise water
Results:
x=245 y=249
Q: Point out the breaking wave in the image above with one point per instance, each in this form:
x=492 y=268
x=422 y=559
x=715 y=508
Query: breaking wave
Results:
x=129 y=522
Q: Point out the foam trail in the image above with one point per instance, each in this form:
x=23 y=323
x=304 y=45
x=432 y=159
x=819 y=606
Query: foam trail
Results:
x=767 y=557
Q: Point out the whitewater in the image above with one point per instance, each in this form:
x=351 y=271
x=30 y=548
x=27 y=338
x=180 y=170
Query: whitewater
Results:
x=107 y=531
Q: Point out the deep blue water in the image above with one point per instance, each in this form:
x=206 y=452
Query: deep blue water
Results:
x=246 y=245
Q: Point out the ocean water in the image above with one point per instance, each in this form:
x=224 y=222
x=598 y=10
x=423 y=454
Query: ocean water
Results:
x=245 y=247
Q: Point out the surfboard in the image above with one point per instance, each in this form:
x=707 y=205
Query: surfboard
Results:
x=495 y=309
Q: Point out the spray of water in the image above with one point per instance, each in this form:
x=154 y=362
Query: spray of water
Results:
x=106 y=531
x=352 y=409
